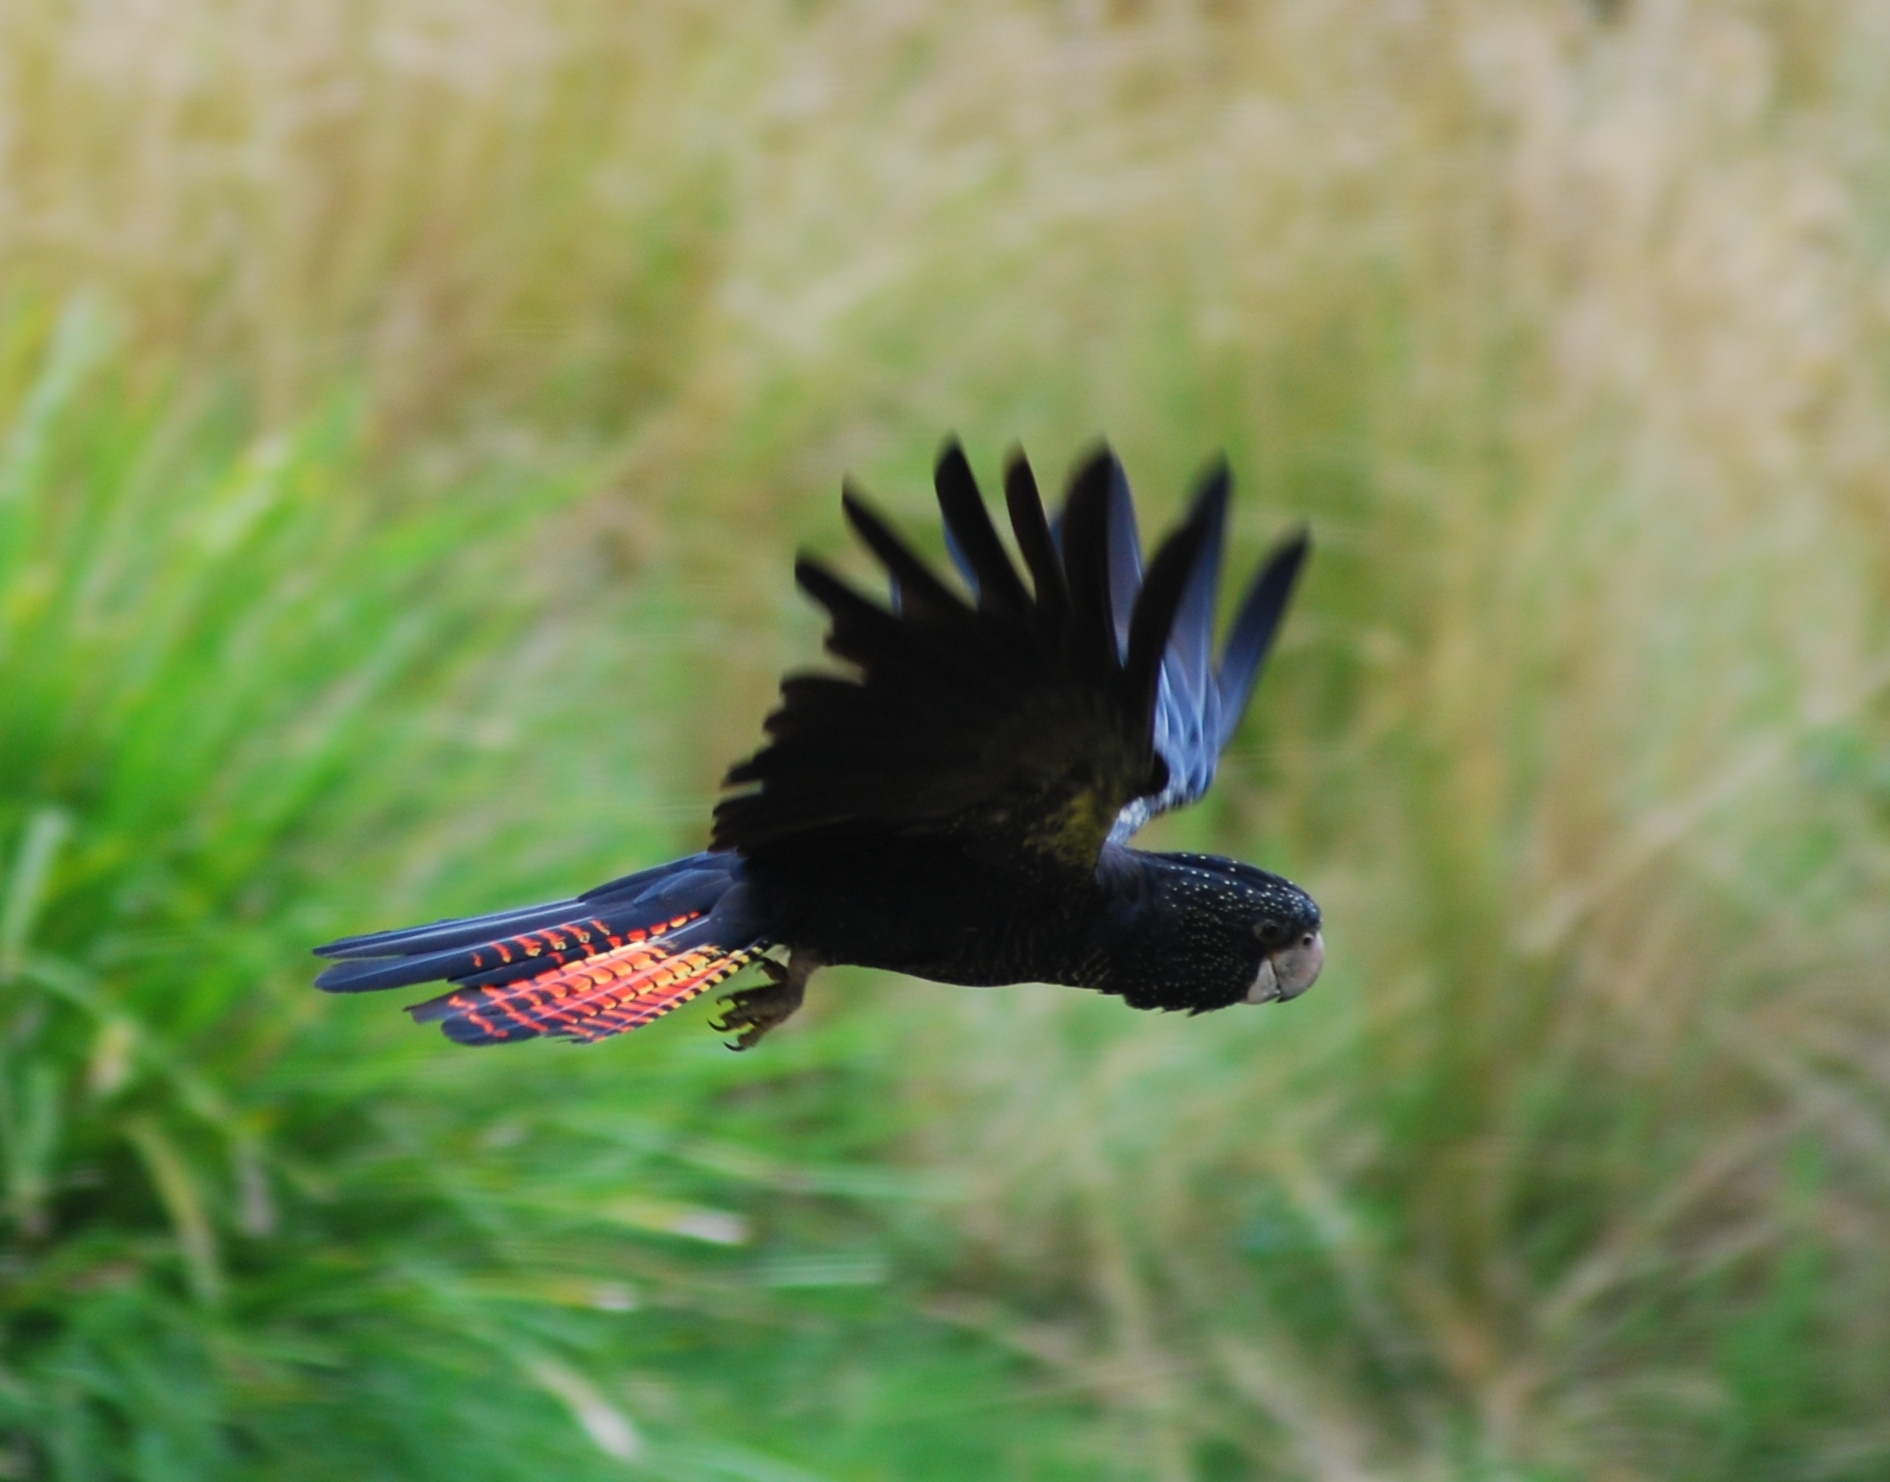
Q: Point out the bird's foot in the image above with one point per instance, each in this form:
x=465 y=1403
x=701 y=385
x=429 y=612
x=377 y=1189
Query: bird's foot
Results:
x=754 y=1011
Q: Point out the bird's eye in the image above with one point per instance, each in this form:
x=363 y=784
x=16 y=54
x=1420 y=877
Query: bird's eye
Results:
x=1306 y=941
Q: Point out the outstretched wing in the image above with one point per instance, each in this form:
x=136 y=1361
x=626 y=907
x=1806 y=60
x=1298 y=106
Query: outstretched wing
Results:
x=1021 y=726
x=1198 y=703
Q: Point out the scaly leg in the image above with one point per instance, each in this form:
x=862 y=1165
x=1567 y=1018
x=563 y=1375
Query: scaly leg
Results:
x=754 y=1011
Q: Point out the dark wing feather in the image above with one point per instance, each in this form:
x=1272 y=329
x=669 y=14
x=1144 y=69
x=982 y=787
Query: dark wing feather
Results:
x=973 y=540
x=1085 y=532
x=1171 y=580
x=1019 y=726
x=1125 y=553
x=1187 y=713
x=1198 y=706
x=1034 y=541
x=1254 y=626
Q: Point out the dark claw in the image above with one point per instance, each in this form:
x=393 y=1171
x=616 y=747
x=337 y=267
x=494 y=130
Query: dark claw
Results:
x=754 y=1011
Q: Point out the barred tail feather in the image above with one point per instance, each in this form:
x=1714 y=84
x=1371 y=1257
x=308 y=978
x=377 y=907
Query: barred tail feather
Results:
x=612 y=959
x=620 y=989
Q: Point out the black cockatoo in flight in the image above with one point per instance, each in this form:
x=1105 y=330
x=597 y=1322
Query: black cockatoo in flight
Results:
x=957 y=807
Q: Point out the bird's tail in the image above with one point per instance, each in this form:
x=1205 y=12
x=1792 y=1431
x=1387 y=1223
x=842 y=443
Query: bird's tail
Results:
x=610 y=960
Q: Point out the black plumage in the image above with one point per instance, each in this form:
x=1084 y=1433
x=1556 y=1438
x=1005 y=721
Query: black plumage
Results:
x=957 y=806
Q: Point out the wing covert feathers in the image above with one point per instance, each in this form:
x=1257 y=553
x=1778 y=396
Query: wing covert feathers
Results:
x=1020 y=725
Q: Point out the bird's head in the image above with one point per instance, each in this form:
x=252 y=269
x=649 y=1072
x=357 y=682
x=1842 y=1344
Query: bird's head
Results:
x=1284 y=922
x=1217 y=932
x=1293 y=950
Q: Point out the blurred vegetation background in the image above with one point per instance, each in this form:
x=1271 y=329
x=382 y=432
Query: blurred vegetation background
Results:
x=407 y=413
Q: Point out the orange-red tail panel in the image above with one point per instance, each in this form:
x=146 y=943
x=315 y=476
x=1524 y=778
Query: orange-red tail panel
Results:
x=607 y=993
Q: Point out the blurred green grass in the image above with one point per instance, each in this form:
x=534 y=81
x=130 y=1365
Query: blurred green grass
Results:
x=409 y=412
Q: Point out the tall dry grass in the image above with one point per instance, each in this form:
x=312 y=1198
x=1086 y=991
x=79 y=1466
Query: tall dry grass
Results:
x=1564 y=324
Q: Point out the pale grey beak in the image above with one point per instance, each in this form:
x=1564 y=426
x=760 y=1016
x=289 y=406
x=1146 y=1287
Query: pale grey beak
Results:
x=1289 y=972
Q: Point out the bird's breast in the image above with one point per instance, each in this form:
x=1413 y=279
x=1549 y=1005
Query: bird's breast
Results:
x=922 y=908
